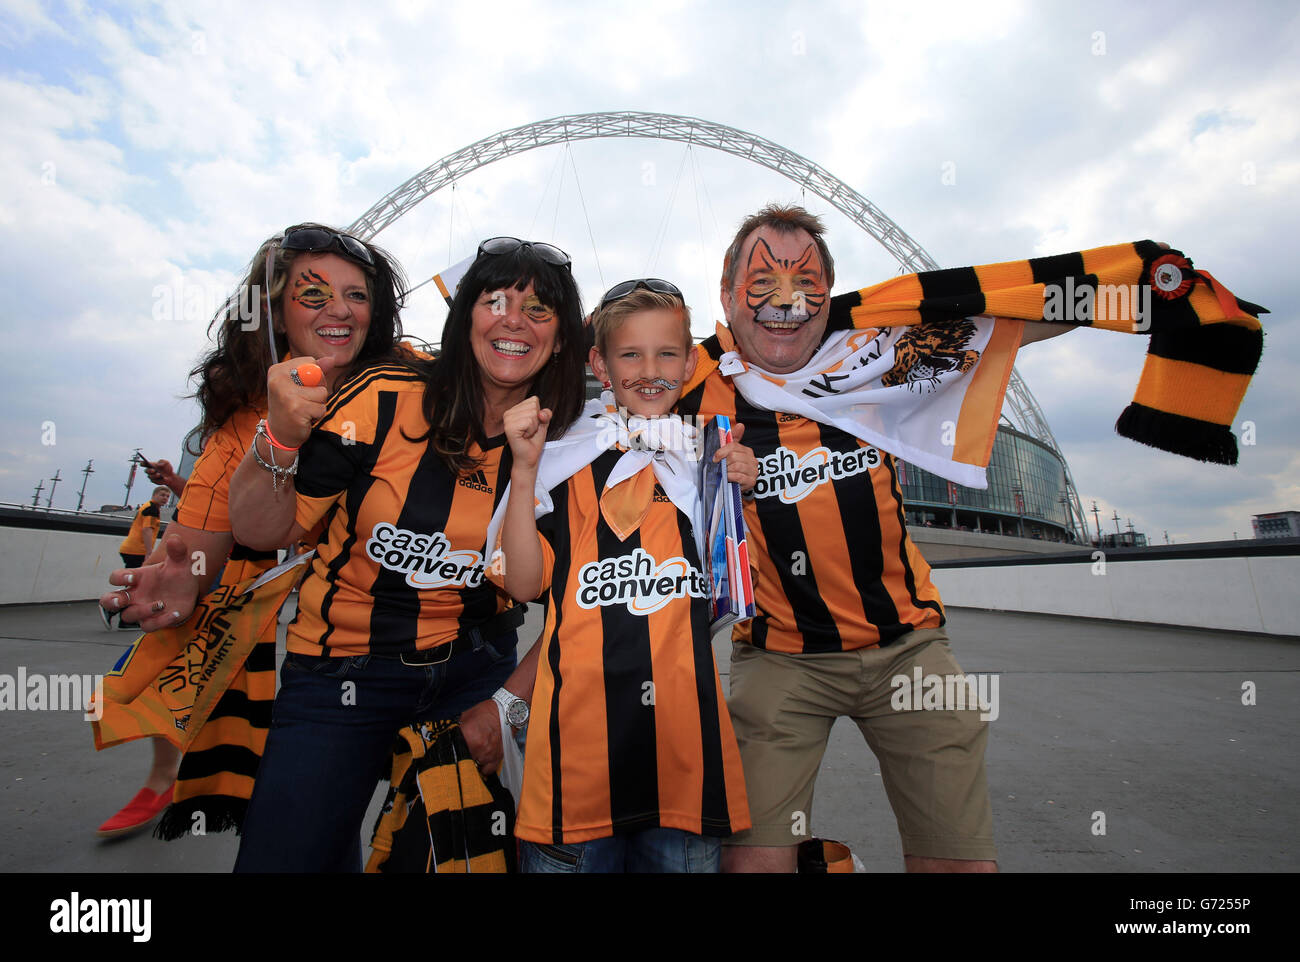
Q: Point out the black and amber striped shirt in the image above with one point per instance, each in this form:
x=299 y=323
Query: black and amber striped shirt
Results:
x=837 y=570
x=629 y=728
x=148 y=517
x=399 y=566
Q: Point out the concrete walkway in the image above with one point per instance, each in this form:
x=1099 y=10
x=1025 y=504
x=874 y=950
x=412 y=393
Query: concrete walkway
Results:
x=1144 y=724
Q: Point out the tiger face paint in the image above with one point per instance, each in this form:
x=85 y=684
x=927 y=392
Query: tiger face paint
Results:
x=312 y=290
x=536 y=311
x=776 y=307
x=326 y=310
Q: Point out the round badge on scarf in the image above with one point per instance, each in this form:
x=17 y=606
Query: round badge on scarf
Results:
x=1171 y=276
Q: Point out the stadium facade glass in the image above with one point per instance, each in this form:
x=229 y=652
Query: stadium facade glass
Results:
x=1026 y=493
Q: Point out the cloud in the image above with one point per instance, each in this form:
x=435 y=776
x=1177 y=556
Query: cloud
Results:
x=151 y=149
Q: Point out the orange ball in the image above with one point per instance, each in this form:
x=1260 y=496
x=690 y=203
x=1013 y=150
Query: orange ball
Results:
x=311 y=375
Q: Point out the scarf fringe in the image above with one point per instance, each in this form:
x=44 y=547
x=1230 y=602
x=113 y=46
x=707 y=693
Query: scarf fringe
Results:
x=1178 y=434
x=221 y=813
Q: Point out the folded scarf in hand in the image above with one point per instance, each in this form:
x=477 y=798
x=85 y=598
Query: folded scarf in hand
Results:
x=441 y=815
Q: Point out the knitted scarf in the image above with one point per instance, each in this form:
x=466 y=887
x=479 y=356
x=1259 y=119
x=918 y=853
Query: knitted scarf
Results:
x=1205 y=342
x=440 y=814
x=228 y=648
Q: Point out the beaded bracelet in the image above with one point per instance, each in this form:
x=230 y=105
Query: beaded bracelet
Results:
x=277 y=472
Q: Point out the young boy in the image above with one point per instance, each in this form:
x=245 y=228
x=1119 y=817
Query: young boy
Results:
x=631 y=762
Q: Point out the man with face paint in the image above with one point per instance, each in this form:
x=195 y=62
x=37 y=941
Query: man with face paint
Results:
x=845 y=599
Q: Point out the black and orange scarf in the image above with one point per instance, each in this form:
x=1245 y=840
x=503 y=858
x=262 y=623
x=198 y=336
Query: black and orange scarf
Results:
x=1205 y=342
x=440 y=814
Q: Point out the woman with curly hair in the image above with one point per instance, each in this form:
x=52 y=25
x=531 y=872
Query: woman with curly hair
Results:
x=330 y=297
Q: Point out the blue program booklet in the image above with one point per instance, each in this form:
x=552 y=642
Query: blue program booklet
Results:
x=726 y=551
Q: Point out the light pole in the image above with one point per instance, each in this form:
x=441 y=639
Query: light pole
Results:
x=130 y=479
x=87 y=471
x=54 y=483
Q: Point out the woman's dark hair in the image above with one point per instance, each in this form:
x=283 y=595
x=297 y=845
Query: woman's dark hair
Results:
x=233 y=375
x=453 y=395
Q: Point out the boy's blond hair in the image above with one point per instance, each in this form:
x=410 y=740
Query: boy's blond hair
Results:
x=614 y=315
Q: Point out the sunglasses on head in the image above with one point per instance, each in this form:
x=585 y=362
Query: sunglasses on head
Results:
x=324 y=239
x=508 y=245
x=619 y=291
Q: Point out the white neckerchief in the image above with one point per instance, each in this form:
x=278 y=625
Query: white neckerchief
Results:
x=668 y=445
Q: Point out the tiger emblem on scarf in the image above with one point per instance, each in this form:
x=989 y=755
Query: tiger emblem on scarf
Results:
x=927 y=351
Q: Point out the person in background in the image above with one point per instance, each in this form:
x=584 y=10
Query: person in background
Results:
x=137 y=545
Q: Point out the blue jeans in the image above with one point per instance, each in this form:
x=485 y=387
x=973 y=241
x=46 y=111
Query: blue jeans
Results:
x=332 y=735
x=652 y=850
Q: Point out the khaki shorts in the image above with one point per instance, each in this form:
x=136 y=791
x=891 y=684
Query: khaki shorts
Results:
x=931 y=760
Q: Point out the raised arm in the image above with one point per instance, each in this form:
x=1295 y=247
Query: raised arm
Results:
x=525 y=429
x=263 y=498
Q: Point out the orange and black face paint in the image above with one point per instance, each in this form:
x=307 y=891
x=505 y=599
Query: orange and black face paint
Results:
x=777 y=289
x=536 y=311
x=312 y=290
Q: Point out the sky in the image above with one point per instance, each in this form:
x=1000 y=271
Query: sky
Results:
x=148 y=149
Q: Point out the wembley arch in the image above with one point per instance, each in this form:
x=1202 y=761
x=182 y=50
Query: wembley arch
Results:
x=1024 y=410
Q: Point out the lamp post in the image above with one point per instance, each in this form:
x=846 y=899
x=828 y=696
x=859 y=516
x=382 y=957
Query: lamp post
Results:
x=54 y=483
x=86 y=472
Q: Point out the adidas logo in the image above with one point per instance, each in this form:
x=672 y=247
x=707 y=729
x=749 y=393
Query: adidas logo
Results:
x=478 y=481
x=787 y=418
x=660 y=496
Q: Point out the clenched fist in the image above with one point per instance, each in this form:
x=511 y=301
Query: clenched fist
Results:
x=525 y=428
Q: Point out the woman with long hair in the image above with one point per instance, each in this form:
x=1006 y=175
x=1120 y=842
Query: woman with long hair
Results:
x=396 y=620
x=329 y=296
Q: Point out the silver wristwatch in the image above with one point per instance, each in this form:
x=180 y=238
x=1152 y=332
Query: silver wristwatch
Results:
x=516 y=708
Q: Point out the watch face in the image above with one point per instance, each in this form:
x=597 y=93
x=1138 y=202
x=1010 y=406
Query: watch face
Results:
x=517 y=713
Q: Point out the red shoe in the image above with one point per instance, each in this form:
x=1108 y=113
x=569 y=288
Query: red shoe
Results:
x=138 y=813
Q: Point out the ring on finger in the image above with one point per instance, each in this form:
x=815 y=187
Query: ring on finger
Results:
x=157 y=606
x=126 y=593
x=293 y=376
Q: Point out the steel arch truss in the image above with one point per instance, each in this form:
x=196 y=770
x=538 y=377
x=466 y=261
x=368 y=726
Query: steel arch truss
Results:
x=739 y=143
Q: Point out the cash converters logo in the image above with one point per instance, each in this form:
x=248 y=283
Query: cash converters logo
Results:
x=427 y=559
x=792 y=478
x=638 y=581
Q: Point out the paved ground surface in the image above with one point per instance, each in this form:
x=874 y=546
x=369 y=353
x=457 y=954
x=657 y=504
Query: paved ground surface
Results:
x=1144 y=724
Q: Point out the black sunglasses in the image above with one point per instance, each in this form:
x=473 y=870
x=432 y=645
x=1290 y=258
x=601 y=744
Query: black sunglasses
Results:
x=324 y=239
x=619 y=291
x=508 y=245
